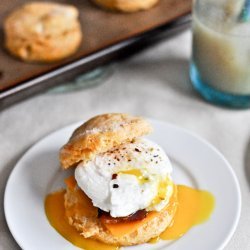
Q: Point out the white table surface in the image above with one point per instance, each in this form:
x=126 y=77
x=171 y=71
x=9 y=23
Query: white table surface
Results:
x=154 y=84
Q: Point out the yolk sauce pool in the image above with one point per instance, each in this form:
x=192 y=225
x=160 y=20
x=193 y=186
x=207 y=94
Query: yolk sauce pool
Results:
x=194 y=207
x=55 y=211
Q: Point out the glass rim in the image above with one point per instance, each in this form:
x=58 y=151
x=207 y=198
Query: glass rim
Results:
x=195 y=16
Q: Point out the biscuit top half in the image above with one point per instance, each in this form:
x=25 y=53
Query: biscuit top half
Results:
x=100 y=134
x=42 y=19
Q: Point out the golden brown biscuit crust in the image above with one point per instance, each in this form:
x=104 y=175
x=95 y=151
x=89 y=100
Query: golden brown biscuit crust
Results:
x=101 y=134
x=43 y=31
x=91 y=227
x=126 y=5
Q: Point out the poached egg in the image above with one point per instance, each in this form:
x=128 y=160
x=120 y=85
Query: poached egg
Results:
x=131 y=177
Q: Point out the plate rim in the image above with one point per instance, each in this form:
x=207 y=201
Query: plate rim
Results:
x=163 y=123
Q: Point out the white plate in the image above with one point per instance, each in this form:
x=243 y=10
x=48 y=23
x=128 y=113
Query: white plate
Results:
x=196 y=163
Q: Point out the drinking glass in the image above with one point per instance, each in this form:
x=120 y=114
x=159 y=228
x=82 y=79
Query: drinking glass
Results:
x=220 y=65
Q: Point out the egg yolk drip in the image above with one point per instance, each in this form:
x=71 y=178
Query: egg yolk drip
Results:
x=55 y=211
x=194 y=207
x=162 y=187
x=137 y=173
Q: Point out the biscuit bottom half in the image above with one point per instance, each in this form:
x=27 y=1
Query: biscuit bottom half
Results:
x=83 y=216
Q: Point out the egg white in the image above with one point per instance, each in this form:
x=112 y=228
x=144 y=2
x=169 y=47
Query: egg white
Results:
x=106 y=183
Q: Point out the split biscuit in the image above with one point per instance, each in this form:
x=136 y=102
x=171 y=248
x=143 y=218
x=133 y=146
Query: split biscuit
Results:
x=43 y=31
x=101 y=134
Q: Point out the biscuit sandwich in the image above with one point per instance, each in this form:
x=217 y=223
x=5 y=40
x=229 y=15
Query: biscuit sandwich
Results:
x=121 y=192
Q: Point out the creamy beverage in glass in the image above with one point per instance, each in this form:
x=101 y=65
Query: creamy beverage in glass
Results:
x=221 y=48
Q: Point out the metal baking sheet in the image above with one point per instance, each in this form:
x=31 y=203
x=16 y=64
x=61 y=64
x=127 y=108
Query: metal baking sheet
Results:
x=107 y=36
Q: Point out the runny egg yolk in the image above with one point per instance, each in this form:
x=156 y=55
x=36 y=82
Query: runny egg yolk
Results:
x=55 y=211
x=161 y=194
x=194 y=207
x=137 y=173
x=162 y=186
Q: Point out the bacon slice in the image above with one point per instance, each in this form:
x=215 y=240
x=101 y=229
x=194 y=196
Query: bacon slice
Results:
x=106 y=218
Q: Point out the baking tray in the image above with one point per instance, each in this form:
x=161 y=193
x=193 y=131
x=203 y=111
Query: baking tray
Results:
x=107 y=36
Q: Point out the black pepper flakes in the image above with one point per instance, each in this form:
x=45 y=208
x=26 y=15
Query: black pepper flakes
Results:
x=115 y=185
x=137 y=150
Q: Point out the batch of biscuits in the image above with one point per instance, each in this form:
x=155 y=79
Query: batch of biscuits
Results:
x=47 y=31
